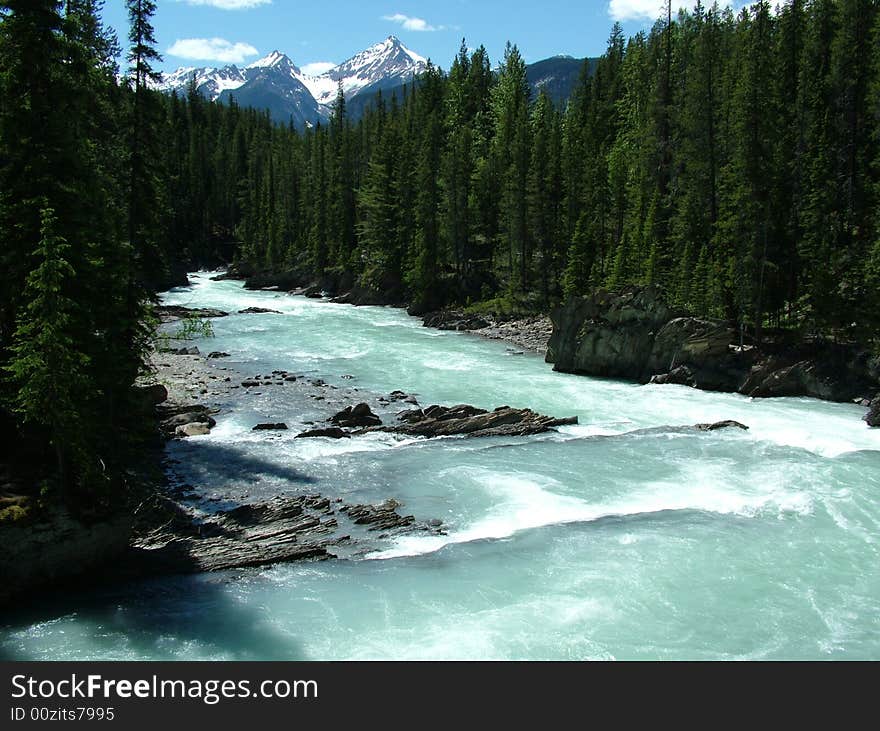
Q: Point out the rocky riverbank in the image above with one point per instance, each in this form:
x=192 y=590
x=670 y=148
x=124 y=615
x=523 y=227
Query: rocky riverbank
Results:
x=636 y=335
x=525 y=334
x=184 y=531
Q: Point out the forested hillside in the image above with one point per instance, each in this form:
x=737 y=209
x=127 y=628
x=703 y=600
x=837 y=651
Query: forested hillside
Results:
x=84 y=237
x=731 y=159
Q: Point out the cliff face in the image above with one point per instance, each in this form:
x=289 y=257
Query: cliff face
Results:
x=635 y=335
x=56 y=549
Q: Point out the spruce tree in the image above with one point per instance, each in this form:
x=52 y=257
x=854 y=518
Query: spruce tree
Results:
x=48 y=367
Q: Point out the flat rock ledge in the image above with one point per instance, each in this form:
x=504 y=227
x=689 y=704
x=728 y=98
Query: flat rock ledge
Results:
x=464 y=420
x=169 y=313
x=170 y=540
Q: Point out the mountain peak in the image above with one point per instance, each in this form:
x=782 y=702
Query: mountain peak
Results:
x=386 y=64
x=273 y=59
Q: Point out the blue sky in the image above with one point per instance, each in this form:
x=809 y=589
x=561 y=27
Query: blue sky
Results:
x=215 y=32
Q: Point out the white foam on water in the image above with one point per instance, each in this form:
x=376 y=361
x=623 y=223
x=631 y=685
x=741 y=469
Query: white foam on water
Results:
x=524 y=502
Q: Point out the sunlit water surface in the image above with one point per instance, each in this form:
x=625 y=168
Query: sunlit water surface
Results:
x=623 y=537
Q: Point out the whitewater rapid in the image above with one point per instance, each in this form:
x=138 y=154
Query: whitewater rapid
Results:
x=622 y=537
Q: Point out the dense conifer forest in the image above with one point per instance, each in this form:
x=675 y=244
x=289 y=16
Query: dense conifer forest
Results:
x=732 y=158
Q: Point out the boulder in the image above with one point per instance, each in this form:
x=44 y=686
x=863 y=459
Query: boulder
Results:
x=443 y=421
x=873 y=415
x=729 y=424
x=454 y=320
x=634 y=335
x=173 y=417
x=608 y=334
x=270 y=427
x=333 y=432
x=195 y=429
x=198 y=415
x=167 y=313
x=689 y=340
x=154 y=395
x=378 y=517
x=258 y=311
x=356 y=416
x=217 y=354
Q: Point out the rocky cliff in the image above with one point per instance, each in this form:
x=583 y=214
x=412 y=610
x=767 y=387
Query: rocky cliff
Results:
x=635 y=334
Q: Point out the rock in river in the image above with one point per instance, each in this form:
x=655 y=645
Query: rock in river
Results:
x=258 y=311
x=729 y=424
x=356 y=416
x=333 y=432
x=194 y=429
x=445 y=421
x=176 y=312
x=873 y=415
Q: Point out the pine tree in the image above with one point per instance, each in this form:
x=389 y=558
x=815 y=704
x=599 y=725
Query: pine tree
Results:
x=48 y=367
x=510 y=101
x=145 y=203
x=33 y=138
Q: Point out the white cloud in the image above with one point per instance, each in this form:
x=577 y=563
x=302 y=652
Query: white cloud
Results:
x=212 y=49
x=414 y=24
x=229 y=4
x=650 y=10
x=635 y=9
x=317 y=68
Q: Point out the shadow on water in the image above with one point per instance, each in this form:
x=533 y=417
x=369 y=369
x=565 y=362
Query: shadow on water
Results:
x=167 y=617
x=179 y=618
x=214 y=462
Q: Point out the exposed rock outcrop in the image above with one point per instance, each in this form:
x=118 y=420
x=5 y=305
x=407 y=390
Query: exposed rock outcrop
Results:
x=185 y=420
x=154 y=394
x=356 y=417
x=270 y=427
x=333 y=432
x=167 y=313
x=57 y=547
x=170 y=539
x=729 y=424
x=443 y=421
x=378 y=517
x=258 y=311
x=635 y=335
x=285 y=529
x=454 y=320
x=873 y=415
x=192 y=429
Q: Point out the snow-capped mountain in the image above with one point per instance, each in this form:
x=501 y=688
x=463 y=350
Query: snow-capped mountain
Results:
x=277 y=84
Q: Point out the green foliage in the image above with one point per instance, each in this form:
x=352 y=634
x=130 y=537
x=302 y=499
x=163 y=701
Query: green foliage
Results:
x=73 y=330
x=733 y=159
x=15 y=514
x=48 y=367
x=190 y=328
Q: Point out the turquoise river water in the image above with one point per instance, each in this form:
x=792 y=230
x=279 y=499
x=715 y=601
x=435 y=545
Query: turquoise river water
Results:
x=620 y=538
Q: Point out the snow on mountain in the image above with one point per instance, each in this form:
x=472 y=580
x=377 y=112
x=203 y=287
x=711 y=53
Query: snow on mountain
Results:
x=275 y=82
x=388 y=60
x=276 y=58
x=210 y=82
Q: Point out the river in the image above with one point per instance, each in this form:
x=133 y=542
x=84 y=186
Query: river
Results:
x=621 y=538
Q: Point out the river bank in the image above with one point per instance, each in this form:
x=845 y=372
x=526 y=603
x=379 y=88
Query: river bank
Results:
x=634 y=334
x=631 y=534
